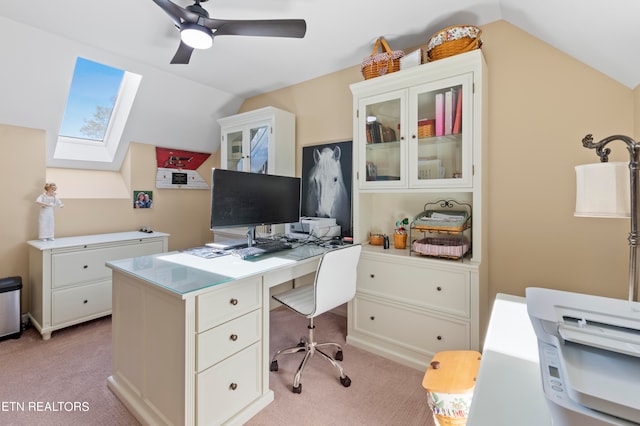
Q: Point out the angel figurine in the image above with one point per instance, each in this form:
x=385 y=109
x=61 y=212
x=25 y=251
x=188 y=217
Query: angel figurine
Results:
x=47 y=201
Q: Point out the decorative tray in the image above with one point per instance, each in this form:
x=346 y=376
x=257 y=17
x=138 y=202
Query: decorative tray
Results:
x=442 y=220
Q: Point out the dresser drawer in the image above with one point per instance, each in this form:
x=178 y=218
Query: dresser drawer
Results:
x=227 y=387
x=218 y=343
x=408 y=328
x=79 y=302
x=228 y=302
x=433 y=288
x=88 y=264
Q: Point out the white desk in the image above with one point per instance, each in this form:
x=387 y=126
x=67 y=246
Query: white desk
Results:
x=508 y=390
x=191 y=335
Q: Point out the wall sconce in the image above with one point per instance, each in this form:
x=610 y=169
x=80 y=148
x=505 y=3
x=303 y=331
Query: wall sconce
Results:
x=610 y=190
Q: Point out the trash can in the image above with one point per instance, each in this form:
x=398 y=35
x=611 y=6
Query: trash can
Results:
x=10 y=326
x=449 y=381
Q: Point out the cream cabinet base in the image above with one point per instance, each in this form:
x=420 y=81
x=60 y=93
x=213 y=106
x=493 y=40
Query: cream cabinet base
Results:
x=69 y=282
x=408 y=309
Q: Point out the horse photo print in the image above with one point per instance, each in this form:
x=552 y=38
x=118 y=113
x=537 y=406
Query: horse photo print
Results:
x=326 y=183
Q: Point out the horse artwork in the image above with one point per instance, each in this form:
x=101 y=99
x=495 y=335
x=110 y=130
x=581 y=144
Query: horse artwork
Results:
x=326 y=183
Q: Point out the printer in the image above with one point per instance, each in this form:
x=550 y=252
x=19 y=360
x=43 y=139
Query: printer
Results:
x=589 y=349
x=320 y=227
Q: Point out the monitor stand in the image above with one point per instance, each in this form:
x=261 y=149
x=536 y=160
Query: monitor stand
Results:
x=251 y=236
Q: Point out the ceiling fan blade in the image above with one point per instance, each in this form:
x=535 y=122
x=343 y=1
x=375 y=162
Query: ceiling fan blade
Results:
x=183 y=54
x=176 y=12
x=295 y=28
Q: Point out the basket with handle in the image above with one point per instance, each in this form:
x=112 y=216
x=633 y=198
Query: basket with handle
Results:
x=382 y=63
x=452 y=41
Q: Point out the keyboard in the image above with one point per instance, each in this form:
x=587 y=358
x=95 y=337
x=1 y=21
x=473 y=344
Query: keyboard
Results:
x=264 y=247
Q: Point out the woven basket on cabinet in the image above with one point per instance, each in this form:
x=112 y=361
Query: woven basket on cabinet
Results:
x=453 y=40
x=381 y=63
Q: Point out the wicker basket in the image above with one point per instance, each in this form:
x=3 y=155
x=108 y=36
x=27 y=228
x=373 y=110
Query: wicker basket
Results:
x=376 y=239
x=381 y=63
x=426 y=128
x=452 y=41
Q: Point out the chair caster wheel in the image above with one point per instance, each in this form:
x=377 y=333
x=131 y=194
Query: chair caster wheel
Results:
x=297 y=389
x=346 y=381
x=301 y=344
x=273 y=366
x=339 y=356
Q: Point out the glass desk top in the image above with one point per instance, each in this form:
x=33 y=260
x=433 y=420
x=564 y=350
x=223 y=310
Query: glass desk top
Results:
x=183 y=272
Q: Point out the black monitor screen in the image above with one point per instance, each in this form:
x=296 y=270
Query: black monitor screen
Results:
x=253 y=199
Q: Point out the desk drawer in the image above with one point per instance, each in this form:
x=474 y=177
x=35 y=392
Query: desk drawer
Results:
x=408 y=328
x=218 y=343
x=227 y=387
x=88 y=264
x=81 y=302
x=432 y=288
x=227 y=302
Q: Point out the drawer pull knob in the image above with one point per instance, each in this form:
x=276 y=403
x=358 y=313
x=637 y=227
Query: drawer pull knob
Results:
x=372 y=275
x=372 y=318
x=234 y=301
x=439 y=337
x=233 y=337
x=439 y=288
x=85 y=302
x=85 y=266
x=233 y=386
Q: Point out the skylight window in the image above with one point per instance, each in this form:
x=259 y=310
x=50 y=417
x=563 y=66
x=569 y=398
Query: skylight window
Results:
x=98 y=105
x=93 y=94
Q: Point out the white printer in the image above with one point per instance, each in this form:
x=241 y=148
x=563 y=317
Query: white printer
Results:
x=320 y=227
x=589 y=348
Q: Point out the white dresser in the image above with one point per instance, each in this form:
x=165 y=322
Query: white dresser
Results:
x=68 y=280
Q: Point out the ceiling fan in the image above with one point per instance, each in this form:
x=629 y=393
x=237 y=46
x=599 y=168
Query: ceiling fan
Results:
x=197 y=29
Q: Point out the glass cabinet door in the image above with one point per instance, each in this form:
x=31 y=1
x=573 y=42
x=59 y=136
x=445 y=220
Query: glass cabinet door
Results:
x=234 y=155
x=259 y=148
x=383 y=150
x=440 y=148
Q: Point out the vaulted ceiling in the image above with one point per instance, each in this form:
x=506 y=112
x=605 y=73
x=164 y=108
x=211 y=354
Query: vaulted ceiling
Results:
x=340 y=33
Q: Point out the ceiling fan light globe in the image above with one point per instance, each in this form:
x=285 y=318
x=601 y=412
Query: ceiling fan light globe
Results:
x=196 y=36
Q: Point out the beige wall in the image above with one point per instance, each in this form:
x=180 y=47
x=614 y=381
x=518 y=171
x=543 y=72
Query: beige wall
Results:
x=541 y=104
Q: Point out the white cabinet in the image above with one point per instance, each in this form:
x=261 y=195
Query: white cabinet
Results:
x=228 y=355
x=259 y=141
x=409 y=309
x=68 y=280
x=189 y=359
x=420 y=137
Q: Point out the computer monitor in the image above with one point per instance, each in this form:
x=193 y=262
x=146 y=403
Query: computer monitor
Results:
x=240 y=199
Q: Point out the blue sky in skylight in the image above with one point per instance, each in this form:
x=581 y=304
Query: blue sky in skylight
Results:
x=93 y=85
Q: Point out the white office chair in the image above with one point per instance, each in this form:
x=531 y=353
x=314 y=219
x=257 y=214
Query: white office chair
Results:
x=334 y=285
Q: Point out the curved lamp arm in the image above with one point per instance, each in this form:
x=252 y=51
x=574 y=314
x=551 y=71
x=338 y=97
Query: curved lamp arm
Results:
x=634 y=149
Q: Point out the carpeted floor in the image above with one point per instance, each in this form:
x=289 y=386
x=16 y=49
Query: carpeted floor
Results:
x=63 y=381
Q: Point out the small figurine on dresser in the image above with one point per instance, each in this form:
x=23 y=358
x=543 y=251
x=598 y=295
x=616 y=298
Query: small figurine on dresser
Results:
x=47 y=201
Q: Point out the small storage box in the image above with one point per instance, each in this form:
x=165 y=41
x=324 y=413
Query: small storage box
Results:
x=448 y=247
x=449 y=381
x=10 y=326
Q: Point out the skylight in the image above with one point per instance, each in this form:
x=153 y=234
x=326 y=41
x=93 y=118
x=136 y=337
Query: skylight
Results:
x=98 y=105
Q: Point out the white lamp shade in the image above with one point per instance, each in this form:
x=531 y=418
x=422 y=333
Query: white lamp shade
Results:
x=602 y=190
x=196 y=36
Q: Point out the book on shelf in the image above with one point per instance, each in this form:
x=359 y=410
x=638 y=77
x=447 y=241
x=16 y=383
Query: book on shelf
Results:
x=374 y=132
x=439 y=114
x=448 y=110
x=457 y=121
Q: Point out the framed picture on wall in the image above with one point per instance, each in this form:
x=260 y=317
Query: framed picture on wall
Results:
x=327 y=183
x=142 y=199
